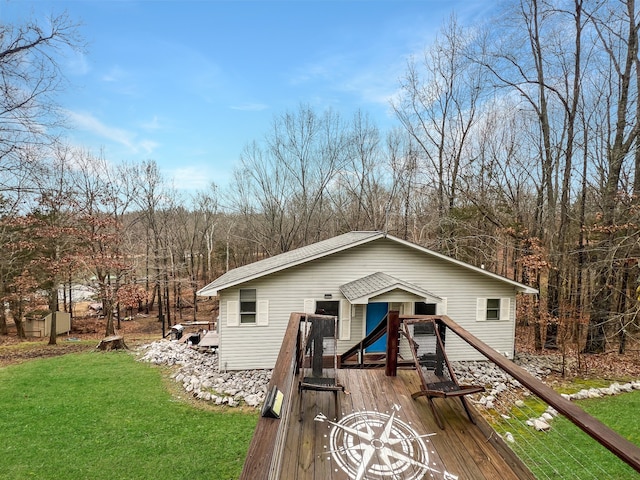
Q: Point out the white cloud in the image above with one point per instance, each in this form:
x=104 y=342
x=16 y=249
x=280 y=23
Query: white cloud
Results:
x=250 y=107
x=372 y=83
x=153 y=124
x=189 y=178
x=86 y=121
x=148 y=146
x=78 y=64
x=116 y=74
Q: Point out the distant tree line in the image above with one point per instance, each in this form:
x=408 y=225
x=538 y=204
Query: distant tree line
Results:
x=516 y=149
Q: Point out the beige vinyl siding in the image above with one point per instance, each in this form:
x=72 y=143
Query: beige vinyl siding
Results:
x=256 y=346
x=357 y=327
x=397 y=296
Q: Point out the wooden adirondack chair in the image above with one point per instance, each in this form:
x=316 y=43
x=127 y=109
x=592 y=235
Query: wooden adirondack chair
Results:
x=426 y=337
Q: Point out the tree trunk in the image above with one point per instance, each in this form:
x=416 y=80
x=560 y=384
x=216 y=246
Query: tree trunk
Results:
x=70 y=299
x=537 y=335
x=622 y=329
x=53 y=306
x=600 y=311
x=3 y=321
x=17 y=319
x=113 y=342
x=107 y=305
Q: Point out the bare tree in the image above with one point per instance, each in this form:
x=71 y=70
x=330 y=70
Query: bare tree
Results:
x=280 y=186
x=30 y=76
x=617 y=31
x=154 y=202
x=360 y=193
x=438 y=107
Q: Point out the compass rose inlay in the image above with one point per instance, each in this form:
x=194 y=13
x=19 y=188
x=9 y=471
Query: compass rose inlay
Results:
x=371 y=445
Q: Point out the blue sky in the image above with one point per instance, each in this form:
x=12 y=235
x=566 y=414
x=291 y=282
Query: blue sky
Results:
x=190 y=83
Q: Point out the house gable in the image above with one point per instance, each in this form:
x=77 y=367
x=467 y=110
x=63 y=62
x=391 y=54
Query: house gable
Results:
x=326 y=248
x=385 y=271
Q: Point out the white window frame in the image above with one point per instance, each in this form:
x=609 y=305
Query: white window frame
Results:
x=261 y=314
x=504 y=309
x=248 y=313
x=344 y=316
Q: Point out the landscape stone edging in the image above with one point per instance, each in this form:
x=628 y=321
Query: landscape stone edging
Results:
x=200 y=377
x=489 y=375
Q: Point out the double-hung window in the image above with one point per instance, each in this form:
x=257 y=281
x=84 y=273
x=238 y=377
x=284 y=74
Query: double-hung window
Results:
x=493 y=309
x=247 y=309
x=248 y=305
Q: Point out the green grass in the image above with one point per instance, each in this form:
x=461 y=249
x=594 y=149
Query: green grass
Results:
x=106 y=416
x=567 y=452
x=619 y=413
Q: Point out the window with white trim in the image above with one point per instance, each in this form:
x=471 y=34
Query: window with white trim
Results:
x=493 y=309
x=338 y=308
x=248 y=305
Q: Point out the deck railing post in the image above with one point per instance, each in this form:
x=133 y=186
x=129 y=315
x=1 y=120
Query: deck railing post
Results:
x=393 y=326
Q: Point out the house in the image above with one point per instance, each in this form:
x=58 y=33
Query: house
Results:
x=358 y=276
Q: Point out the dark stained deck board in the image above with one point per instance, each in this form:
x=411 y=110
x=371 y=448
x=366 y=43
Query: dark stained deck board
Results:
x=374 y=394
x=439 y=456
x=322 y=462
x=454 y=458
x=396 y=390
x=461 y=449
x=485 y=462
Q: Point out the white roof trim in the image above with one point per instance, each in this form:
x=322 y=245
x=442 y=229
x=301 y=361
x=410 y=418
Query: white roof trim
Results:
x=360 y=291
x=324 y=248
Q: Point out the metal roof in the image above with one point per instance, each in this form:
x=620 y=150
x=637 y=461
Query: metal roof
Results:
x=361 y=290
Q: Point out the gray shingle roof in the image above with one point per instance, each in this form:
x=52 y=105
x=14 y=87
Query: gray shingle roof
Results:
x=360 y=290
x=326 y=247
x=287 y=259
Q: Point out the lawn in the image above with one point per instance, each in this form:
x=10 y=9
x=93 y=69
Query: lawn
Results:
x=566 y=452
x=106 y=416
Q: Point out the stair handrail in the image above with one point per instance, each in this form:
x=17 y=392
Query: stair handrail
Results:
x=376 y=334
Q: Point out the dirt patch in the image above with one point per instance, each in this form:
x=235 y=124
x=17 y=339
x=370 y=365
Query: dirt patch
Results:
x=605 y=366
x=87 y=331
x=18 y=353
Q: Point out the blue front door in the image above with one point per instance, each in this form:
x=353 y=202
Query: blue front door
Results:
x=375 y=313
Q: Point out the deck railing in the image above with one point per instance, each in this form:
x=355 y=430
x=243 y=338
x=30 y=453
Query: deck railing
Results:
x=265 y=451
x=264 y=455
x=358 y=350
x=611 y=440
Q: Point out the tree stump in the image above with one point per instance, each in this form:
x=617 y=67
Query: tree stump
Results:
x=114 y=342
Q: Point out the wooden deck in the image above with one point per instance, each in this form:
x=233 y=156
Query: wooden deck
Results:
x=413 y=447
x=381 y=432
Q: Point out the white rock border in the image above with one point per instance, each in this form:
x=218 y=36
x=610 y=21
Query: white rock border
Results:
x=199 y=374
x=496 y=381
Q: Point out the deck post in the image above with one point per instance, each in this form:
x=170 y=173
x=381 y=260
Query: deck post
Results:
x=393 y=326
